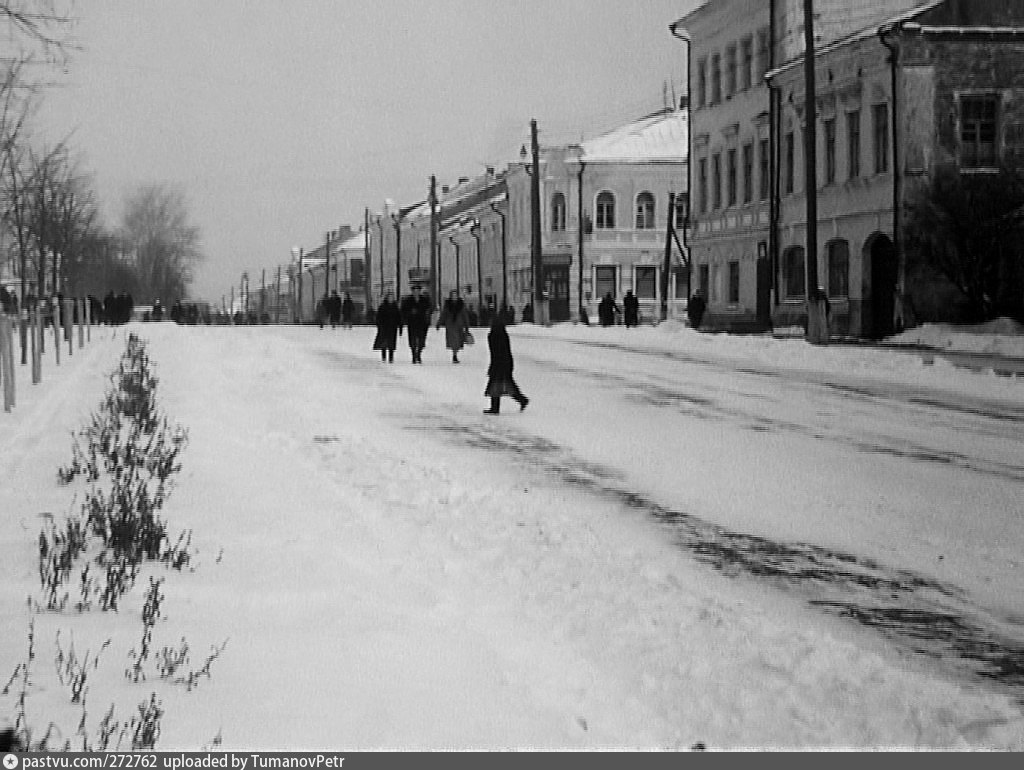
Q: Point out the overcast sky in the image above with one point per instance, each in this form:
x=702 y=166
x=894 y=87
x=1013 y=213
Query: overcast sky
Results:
x=280 y=121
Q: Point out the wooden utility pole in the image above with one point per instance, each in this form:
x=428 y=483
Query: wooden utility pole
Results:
x=668 y=256
x=327 y=263
x=817 y=328
x=540 y=309
x=434 y=285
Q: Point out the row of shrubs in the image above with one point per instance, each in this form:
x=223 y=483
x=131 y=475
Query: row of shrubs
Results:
x=124 y=461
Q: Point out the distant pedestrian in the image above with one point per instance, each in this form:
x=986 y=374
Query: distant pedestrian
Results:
x=500 y=381
x=389 y=326
x=334 y=309
x=695 y=309
x=416 y=316
x=348 y=309
x=456 y=324
x=607 y=310
x=630 y=309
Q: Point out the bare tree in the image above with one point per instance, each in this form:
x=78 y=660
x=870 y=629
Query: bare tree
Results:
x=969 y=229
x=165 y=246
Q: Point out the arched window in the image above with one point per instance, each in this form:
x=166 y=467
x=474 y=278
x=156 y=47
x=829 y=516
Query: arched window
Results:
x=838 y=256
x=645 y=211
x=793 y=278
x=605 y=215
x=557 y=212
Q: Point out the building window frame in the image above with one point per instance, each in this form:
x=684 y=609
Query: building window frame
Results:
x=731 y=176
x=716 y=78
x=789 y=174
x=853 y=144
x=606 y=279
x=558 y=211
x=645 y=281
x=604 y=210
x=645 y=209
x=747 y=62
x=837 y=262
x=880 y=131
x=702 y=82
x=829 y=131
x=979 y=130
x=748 y=172
x=716 y=181
x=764 y=151
x=730 y=71
x=702 y=184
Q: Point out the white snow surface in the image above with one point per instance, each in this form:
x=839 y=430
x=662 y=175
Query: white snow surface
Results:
x=388 y=574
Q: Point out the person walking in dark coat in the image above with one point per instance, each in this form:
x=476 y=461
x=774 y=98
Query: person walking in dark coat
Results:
x=416 y=315
x=348 y=309
x=695 y=309
x=630 y=309
x=334 y=309
x=455 y=321
x=606 y=310
x=499 y=373
x=389 y=326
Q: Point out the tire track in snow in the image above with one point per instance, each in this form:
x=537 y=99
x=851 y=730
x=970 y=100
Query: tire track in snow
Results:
x=916 y=612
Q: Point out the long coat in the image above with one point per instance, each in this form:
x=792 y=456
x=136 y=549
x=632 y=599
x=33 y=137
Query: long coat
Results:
x=389 y=323
x=455 y=322
x=499 y=373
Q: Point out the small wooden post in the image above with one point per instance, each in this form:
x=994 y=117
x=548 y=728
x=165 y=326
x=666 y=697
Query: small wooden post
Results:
x=80 y=305
x=88 y=320
x=7 y=362
x=69 y=323
x=35 y=330
x=55 y=314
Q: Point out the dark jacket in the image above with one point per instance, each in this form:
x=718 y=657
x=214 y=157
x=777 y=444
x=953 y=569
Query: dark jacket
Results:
x=416 y=313
x=498 y=343
x=389 y=323
x=348 y=307
x=455 y=322
x=631 y=309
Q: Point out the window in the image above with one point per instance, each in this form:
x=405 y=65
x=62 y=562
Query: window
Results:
x=605 y=219
x=838 y=259
x=830 y=150
x=646 y=281
x=557 y=212
x=716 y=181
x=734 y=283
x=793 y=277
x=763 y=53
x=645 y=211
x=853 y=144
x=702 y=184
x=682 y=208
x=748 y=172
x=604 y=281
x=702 y=82
x=790 y=161
x=978 y=115
x=747 y=63
x=703 y=282
x=880 y=116
x=731 y=171
x=766 y=178
x=730 y=70
x=716 y=79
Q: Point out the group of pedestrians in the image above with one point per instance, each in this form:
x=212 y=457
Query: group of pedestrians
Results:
x=414 y=315
x=336 y=310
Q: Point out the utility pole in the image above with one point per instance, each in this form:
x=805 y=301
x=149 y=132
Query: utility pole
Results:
x=327 y=263
x=668 y=256
x=434 y=277
x=817 y=329
x=367 y=270
x=540 y=309
x=397 y=219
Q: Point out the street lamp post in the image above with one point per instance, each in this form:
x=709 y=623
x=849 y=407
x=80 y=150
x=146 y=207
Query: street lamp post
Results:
x=475 y=231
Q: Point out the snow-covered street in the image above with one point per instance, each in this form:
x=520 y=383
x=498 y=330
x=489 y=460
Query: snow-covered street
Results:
x=736 y=541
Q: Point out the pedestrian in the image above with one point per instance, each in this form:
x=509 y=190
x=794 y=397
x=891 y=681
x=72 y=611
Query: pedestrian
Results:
x=334 y=309
x=630 y=309
x=500 y=381
x=695 y=309
x=607 y=310
x=416 y=315
x=456 y=324
x=389 y=326
x=348 y=309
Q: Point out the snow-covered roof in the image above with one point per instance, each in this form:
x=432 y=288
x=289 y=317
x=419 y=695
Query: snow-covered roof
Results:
x=656 y=138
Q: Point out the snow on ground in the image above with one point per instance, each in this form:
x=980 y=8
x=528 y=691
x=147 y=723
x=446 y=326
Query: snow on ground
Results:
x=385 y=580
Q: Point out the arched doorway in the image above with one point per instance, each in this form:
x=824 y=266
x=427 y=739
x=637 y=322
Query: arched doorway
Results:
x=880 y=289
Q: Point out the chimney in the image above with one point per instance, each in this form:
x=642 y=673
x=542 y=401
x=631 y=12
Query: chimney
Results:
x=490 y=171
x=444 y=189
x=463 y=179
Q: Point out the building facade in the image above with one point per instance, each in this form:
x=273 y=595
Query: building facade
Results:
x=605 y=209
x=745 y=150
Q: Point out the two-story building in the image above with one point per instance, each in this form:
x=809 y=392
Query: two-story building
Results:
x=605 y=209
x=745 y=149
x=939 y=85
